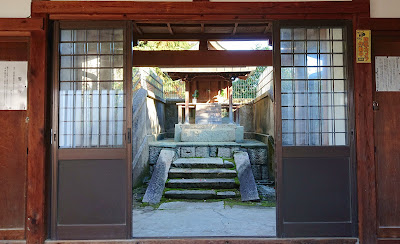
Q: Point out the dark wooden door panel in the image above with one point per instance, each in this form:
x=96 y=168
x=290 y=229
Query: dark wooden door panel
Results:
x=387 y=142
x=13 y=157
x=13 y=147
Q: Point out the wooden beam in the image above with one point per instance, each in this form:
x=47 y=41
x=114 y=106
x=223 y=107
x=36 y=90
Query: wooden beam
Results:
x=137 y=28
x=183 y=18
x=202 y=27
x=21 y=24
x=35 y=207
x=198 y=8
x=199 y=36
x=235 y=28
x=202 y=58
x=170 y=29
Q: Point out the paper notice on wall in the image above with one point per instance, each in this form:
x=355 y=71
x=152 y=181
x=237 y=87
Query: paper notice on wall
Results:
x=387 y=73
x=13 y=85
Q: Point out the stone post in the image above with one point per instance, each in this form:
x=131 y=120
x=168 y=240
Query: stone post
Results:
x=230 y=104
x=187 y=103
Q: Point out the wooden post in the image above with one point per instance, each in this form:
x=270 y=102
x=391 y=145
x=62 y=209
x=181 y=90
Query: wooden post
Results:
x=230 y=105
x=187 y=103
x=35 y=194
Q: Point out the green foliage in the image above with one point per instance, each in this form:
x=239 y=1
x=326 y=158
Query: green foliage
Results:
x=163 y=45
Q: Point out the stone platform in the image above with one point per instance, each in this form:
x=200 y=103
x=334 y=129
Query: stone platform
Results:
x=258 y=152
x=209 y=133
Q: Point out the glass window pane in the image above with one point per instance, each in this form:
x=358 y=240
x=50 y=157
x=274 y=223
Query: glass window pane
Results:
x=299 y=47
x=91 y=113
x=312 y=47
x=287 y=113
x=299 y=34
x=286 y=47
x=299 y=59
x=286 y=34
x=312 y=34
x=287 y=60
x=66 y=35
x=314 y=97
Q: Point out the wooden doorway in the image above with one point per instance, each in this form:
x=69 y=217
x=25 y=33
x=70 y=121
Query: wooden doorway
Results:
x=13 y=152
x=91 y=161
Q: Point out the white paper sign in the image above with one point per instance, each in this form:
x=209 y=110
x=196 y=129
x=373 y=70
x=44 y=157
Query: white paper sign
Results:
x=13 y=85
x=387 y=73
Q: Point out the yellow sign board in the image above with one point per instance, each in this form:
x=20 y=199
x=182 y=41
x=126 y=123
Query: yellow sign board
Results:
x=363 y=46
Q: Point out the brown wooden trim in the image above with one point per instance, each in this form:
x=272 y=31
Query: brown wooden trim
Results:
x=12 y=234
x=91 y=231
x=388 y=232
x=383 y=24
x=388 y=241
x=202 y=58
x=278 y=126
x=31 y=24
x=218 y=241
x=363 y=89
x=196 y=8
x=77 y=154
x=317 y=151
x=35 y=210
x=183 y=18
x=15 y=35
x=128 y=113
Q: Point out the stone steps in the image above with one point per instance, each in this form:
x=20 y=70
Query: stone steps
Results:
x=221 y=183
x=202 y=163
x=191 y=173
x=200 y=194
x=202 y=178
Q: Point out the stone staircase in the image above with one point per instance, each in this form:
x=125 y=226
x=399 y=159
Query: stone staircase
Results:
x=202 y=178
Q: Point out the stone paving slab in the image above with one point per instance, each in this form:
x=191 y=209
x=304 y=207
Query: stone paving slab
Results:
x=182 y=219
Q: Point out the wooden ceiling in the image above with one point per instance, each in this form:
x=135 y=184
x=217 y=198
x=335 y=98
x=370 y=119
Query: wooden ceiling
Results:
x=203 y=31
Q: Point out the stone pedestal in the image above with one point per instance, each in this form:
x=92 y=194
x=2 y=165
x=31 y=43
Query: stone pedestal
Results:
x=209 y=133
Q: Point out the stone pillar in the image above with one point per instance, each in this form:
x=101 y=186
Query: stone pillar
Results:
x=179 y=114
x=187 y=103
x=230 y=104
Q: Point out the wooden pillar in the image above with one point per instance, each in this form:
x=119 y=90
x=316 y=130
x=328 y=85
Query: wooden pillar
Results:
x=187 y=103
x=230 y=104
x=35 y=194
x=366 y=179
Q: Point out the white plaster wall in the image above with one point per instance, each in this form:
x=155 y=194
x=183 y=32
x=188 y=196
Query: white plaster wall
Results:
x=385 y=8
x=15 y=8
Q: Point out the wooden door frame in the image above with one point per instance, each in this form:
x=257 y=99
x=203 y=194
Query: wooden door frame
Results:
x=33 y=31
x=91 y=153
x=351 y=112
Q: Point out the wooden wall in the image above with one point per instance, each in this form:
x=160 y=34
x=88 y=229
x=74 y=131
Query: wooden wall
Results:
x=356 y=10
x=22 y=140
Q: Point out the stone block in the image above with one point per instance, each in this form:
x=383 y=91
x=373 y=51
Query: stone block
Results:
x=258 y=156
x=256 y=171
x=188 y=152
x=178 y=132
x=202 y=152
x=208 y=133
x=153 y=155
x=213 y=151
x=248 y=187
x=160 y=175
x=224 y=152
x=239 y=134
x=264 y=172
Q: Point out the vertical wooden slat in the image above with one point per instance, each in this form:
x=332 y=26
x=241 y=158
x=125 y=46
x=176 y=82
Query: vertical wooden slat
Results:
x=363 y=89
x=35 y=209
